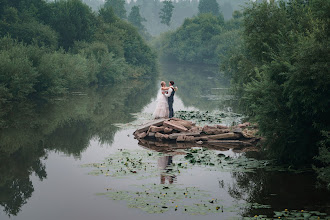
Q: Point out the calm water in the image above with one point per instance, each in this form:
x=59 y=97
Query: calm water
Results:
x=46 y=149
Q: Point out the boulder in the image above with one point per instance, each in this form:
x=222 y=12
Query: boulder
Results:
x=156 y=129
x=244 y=125
x=141 y=135
x=146 y=127
x=176 y=135
x=186 y=124
x=213 y=130
x=151 y=134
x=195 y=129
x=181 y=138
x=189 y=139
x=201 y=138
x=175 y=126
x=226 y=136
x=168 y=130
x=221 y=127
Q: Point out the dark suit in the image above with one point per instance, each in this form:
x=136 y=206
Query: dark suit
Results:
x=170 y=104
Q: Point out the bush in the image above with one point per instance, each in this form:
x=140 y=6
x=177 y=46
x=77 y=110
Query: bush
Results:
x=18 y=75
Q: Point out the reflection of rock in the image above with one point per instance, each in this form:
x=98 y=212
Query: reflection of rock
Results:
x=171 y=147
x=167 y=132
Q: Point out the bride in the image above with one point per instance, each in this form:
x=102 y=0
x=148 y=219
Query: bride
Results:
x=161 y=110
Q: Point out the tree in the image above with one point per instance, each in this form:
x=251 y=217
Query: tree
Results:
x=136 y=19
x=73 y=20
x=209 y=6
x=118 y=7
x=166 y=12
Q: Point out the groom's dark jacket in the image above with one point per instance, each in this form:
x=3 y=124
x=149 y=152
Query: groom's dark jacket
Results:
x=171 y=97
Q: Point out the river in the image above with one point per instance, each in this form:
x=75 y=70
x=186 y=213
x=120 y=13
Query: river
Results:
x=76 y=158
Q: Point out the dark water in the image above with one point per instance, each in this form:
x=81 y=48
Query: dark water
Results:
x=44 y=149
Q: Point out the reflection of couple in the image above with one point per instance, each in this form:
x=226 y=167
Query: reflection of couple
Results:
x=165 y=99
x=163 y=163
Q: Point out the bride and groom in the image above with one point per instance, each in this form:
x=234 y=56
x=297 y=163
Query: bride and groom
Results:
x=165 y=99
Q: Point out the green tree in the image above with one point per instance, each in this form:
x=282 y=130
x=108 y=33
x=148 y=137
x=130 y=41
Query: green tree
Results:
x=194 y=42
x=166 y=12
x=136 y=19
x=118 y=7
x=73 y=20
x=209 y=6
x=281 y=71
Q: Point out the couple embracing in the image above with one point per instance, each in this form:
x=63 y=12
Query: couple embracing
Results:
x=165 y=99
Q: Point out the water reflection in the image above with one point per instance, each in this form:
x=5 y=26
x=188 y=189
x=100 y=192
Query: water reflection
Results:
x=164 y=165
x=29 y=130
x=280 y=190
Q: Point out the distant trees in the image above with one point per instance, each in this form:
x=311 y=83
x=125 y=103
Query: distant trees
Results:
x=209 y=6
x=166 y=12
x=118 y=7
x=196 y=41
x=136 y=19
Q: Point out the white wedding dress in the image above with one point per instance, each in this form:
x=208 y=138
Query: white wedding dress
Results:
x=161 y=110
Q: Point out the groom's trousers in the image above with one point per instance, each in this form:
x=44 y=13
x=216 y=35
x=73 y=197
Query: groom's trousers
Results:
x=170 y=108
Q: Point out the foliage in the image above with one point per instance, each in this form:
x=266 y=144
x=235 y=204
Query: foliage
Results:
x=166 y=12
x=209 y=6
x=73 y=20
x=323 y=170
x=118 y=7
x=182 y=9
x=194 y=42
x=65 y=46
x=18 y=76
x=136 y=19
x=281 y=71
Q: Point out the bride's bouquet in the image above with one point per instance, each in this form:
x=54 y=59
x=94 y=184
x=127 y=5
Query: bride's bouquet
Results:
x=175 y=89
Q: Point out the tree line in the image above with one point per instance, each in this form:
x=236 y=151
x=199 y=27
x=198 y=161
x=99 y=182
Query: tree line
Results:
x=160 y=16
x=202 y=39
x=50 y=48
x=277 y=56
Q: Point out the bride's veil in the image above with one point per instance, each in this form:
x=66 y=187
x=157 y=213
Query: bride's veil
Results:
x=159 y=95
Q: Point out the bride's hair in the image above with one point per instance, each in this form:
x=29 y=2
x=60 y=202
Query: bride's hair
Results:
x=162 y=83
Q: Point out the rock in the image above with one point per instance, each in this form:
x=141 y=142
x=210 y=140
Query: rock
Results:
x=199 y=142
x=189 y=139
x=244 y=125
x=195 y=129
x=202 y=138
x=141 y=135
x=156 y=129
x=186 y=124
x=176 y=135
x=249 y=133
x=232 y=142
x=151 y=134
x=146 y=127
x=221 y=127
x=175 y=126
x=181 y=138
x=168 y=130
x=158 y=135
x=213 y=130
x=226 y=136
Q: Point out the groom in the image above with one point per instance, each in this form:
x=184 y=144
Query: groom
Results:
x=170 y=95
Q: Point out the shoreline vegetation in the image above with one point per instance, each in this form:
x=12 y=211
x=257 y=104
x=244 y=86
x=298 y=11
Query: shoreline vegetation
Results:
x=50 y=48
